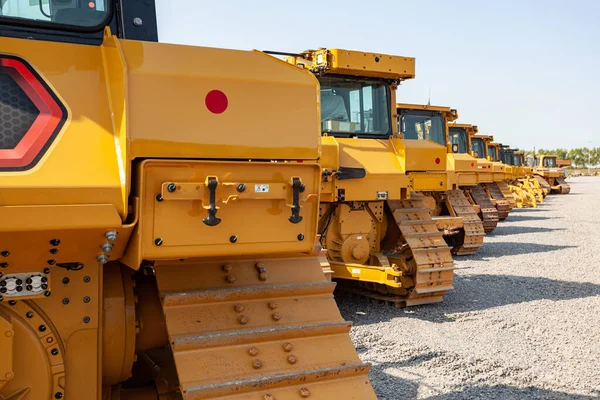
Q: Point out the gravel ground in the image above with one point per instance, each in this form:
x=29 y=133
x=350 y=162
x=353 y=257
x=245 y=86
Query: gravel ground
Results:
x=522 y=322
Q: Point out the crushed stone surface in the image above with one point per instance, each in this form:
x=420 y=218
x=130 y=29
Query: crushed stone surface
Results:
x=523 y=320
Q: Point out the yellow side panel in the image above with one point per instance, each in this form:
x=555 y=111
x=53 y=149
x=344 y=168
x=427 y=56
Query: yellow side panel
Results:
x=384 y=172
x=81 y=166
x=260 y=96
x=253 y=204
x=423 y=155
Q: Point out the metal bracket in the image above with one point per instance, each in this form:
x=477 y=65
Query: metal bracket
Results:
x=212 y=220
x=297 y=188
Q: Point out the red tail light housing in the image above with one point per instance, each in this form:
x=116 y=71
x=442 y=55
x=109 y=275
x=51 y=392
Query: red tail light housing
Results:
x=31 y=115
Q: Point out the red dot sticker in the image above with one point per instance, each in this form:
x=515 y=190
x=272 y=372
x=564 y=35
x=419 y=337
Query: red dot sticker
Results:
x=437 y=160
x=216 y=101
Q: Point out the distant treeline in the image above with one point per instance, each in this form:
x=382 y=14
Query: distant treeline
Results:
x=581 y=157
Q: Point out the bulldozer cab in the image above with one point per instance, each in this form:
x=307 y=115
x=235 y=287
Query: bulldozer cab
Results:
x=78 y=21
x=357 y=90
x=548 y=161
x=492 y=151
x=458 y=136
x=425 y=122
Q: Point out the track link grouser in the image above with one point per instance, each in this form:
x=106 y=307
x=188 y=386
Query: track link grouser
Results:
x=498 y=199
x=505 y=189
x=419 y=270
x=543 y=183
x=487 y=213
x=257 y=330
x=564 y=186
x=459 y=205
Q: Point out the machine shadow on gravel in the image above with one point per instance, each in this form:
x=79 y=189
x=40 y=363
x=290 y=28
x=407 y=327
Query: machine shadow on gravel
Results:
x=518 y=218
x=506 y=230
x=471 y=293
x=509 y=392
x=388 y=386
x=499 y=249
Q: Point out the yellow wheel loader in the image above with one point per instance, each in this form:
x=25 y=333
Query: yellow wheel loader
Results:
x=455 y=216
x=483 y=145
x=549 y=174
x=159 y=214
x=380 y=241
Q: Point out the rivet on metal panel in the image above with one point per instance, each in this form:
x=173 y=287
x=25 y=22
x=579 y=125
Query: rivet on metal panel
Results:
x=304 y=392
x=55 y=242
x=253 y=351
x=3 y=265
x=276 y=316
x=9 y=375
x=227 y=267
x=262 y=271
x=158 y=242
x=257 y=364
x=269 y=397
x=8 y=333
x=106 y=247
x=242 y=319
x=171 y=187
x=230 y=278
x=238 y=308
x=5 y=253
x=272 y=305
x=287 y=347
x=159 y=198
x=111 y=236
x=292 y=359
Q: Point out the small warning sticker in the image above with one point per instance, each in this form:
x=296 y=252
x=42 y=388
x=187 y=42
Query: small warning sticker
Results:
x=261 y=188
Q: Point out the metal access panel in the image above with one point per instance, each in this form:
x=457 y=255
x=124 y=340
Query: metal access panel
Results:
x=212 y=208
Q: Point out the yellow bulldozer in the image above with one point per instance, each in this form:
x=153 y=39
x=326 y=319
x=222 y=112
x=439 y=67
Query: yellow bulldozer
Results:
x=521 y=184
x=481 y=145
x=461 y=134
x=451 y=209
x=159 y=214
x=494 y=152
x=549 y=174
x=379 y=238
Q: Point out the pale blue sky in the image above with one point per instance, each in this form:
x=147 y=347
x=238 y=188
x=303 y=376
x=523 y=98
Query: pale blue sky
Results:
x=527 y=72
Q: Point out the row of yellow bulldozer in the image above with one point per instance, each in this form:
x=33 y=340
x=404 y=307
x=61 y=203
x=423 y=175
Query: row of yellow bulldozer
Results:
x=173 y=216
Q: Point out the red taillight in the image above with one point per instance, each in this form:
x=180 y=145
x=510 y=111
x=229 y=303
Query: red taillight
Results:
x=31 y=115
x=437 y=161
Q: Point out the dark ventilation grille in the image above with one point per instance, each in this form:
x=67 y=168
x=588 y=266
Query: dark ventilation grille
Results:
x=17 y=112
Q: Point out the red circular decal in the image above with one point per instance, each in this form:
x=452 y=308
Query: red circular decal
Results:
x=216 y=101
x=472 y=164
x=437 y=160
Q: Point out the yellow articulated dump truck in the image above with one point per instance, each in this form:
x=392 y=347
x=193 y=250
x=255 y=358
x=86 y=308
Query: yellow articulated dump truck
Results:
x=455 y=216
x=481 y=144
x=549 y=174
x=380 y=241
x=461 y=134
x=159 y=216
